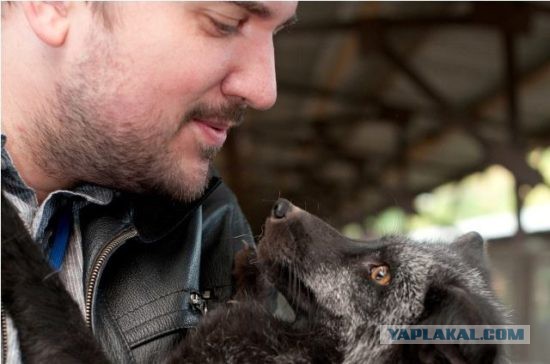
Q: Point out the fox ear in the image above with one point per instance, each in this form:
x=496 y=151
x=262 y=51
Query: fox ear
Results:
x=452 y=305
x=471 y=248
x=471 y=243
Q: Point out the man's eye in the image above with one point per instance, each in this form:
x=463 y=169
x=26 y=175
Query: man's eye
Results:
x=223 y=29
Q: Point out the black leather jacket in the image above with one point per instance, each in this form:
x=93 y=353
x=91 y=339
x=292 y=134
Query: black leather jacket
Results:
x=152 y=265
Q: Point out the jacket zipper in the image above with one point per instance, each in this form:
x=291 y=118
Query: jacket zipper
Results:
x=199 y=301
x=4 y=337
x=97 y=267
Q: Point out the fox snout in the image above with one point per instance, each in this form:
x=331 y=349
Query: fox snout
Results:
x=283 y=208
x=291 y=234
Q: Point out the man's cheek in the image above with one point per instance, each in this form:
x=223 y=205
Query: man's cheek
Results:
x=131 y=112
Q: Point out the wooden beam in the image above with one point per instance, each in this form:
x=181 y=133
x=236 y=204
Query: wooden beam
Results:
x=538 y=8
x=510 y=77
x=414 y=75
x=485 y=16
x=524 y=78
x=514 y=17
x=382 y=109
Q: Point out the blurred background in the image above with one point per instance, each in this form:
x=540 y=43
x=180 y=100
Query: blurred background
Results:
x=427 y=119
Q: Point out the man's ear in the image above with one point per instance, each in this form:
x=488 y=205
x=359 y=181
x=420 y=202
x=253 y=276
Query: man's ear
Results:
x=48 y=20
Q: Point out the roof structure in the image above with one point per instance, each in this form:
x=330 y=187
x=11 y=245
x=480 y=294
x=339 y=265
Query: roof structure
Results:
x=381 y=101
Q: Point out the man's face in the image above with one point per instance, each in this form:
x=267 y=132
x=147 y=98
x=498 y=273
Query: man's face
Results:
x=146 y=104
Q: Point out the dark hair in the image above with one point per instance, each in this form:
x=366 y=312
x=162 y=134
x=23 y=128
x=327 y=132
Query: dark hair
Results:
x=105 y=11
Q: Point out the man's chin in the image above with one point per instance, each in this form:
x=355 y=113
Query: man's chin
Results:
x=186 y=179
x=208 y=153
x=188 y=187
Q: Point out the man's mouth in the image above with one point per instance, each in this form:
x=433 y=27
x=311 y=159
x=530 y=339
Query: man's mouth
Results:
x=214 y=132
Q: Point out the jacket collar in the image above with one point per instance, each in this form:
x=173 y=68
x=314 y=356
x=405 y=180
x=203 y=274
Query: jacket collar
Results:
x=156 y=217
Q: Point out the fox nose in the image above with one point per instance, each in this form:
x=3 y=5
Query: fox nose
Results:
x=281 y=208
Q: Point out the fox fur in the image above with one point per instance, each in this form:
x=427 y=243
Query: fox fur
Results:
x=326 y=277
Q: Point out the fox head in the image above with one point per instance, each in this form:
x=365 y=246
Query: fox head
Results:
x=354 y=286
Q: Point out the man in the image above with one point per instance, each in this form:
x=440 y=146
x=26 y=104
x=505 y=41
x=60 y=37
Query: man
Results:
x=111 y=114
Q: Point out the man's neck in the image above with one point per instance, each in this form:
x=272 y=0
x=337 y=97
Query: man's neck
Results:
x=22 y=157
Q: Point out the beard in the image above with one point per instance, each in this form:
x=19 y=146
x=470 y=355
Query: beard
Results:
x=81 y=137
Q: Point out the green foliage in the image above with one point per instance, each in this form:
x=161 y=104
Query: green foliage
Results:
x=353 y=231
x=540 y=159
x=538 y=195
x=390 y=221
x=489 y=192
x=483 y=193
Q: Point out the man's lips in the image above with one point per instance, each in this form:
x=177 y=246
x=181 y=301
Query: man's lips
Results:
x=216 y=124
x=214 y=132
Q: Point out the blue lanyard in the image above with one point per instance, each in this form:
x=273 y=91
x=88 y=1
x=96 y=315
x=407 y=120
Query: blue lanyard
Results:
x=61 y=239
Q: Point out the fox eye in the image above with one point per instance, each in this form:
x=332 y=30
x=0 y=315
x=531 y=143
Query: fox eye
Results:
x=381 y=275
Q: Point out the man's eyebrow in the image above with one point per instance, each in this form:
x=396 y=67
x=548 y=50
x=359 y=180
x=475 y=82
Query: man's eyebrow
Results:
x=259 y=9
x=254 y=7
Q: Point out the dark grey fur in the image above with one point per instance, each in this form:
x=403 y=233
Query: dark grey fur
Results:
x=323 y=274
x=49 y=322
x=444 y=284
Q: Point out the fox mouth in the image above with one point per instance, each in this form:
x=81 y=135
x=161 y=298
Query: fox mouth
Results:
x=282 y=272
x=279 y=249
x=300 y=297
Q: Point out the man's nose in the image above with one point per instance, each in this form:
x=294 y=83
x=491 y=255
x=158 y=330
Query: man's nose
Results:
x=253 y=79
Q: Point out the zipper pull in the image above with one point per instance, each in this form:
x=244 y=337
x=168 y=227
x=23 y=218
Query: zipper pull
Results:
x=199 y=302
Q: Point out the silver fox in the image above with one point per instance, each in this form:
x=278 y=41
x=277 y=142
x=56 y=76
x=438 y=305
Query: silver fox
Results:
x=340 y=289
x=354 y=286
